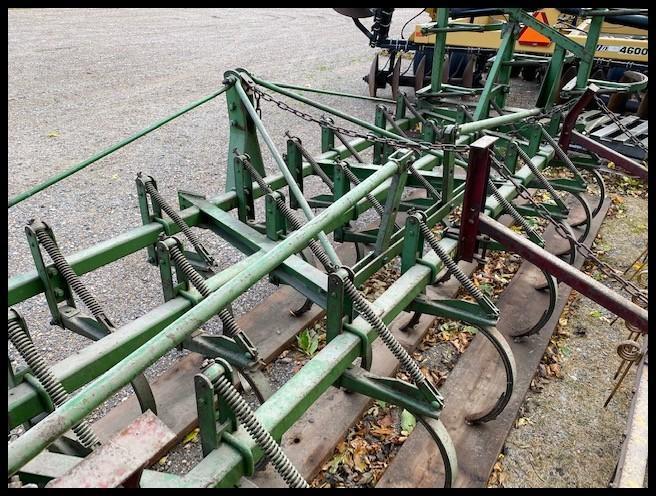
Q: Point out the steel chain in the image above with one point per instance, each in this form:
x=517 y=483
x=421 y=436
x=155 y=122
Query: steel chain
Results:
x=586 y=252
x=422 y=146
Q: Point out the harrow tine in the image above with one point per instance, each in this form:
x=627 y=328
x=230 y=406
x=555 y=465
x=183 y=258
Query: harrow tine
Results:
x=551 y=285
x=506 y=355
x=440 y=435
x=601 y=186
x=396 y=78
x=586 y=221
x=304 y=308
x=468 y=73
x=420 y=73
x=258 y=382
x=373 y=74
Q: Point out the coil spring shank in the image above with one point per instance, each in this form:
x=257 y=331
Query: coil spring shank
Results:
x=364 y=308
x=510 y=209
x=179 y=221
x=452 y=266
x=276 y=455
x=546 y=184
x=23 y=344
x=378 y=207
x=424 y=182
x=291 y=217
x=230 y=326
x=70 y=276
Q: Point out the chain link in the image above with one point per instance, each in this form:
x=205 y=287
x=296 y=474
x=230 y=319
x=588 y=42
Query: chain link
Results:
x=418 y=146
x=628 y=286
x=586 y=252
x=618 y=122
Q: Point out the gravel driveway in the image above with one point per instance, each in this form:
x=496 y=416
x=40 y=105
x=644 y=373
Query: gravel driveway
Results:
x=82 y=79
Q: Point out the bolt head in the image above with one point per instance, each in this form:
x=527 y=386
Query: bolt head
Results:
x=52 y=271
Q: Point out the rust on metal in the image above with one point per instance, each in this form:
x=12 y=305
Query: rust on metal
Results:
x=478 y=173
x=573 y=277
x=621 y=161
x=121 y=460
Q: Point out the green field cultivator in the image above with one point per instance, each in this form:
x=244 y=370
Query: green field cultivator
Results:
x=438 y=172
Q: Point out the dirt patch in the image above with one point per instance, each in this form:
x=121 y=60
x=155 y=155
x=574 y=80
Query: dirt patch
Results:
x=563 y=436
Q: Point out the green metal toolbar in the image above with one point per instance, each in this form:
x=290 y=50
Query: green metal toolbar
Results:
x=431 y=145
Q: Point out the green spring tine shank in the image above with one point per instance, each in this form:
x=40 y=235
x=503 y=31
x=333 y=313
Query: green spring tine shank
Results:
x=97 y=391
x=107 y=151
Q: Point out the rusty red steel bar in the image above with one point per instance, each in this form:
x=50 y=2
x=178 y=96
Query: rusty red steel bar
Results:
x=478 y=173
x=577 y=280
x=570 y=119
x=121 y=460
x=621 y=161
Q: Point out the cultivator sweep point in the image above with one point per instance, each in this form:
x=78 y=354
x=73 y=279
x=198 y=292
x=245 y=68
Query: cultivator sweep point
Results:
x=415 y=185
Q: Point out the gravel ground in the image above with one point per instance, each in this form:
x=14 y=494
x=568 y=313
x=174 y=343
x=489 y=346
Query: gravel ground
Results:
x=566 y=438
x=82 y=79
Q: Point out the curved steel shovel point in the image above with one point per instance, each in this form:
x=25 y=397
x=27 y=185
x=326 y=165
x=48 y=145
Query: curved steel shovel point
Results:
x=373 y=74
x=551 y=285
x=396 y=78
x=506 y=354
x=420 y=73
x=441 y=436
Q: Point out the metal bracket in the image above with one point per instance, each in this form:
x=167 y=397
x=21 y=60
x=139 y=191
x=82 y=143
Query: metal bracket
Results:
x=467 y=311
x=148 y=216
x=166 y=265
x=276 y=224
x=390 y=390
x=216 y=426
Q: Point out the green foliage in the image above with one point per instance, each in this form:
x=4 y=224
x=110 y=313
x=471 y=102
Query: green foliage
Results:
x=308 y=342
x=408 y=422
x=486 y=289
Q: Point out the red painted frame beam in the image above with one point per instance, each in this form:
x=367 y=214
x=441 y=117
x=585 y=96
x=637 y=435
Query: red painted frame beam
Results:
x=577 y=280
x=478 y=173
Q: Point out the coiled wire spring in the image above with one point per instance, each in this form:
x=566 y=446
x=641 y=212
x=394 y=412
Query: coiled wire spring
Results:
x=291 y=216
x=424 y=182
x=364 y=308
x=271 y=449
x=179 y=221
x=71 y=277
x=360 y=302
x=510 y=209
x=230 y=326
x=23 y=344
x=241 y=409
x=453 y=267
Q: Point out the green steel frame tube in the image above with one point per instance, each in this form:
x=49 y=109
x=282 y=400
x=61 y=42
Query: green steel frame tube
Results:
x=96 y=392
x=492 y=122
x=374 y=129
x=73 y=372
x=334 y=93
x=107 y=151
x=439 y=50
x=28 y=284
x=224 y=466
x=219 y=279
x=291 y=182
